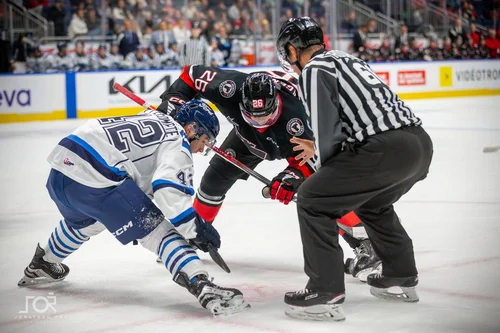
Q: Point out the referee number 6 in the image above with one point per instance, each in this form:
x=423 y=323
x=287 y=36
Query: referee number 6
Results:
x=366 y=75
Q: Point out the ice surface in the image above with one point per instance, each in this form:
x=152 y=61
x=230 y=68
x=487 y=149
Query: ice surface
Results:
x=453 y=218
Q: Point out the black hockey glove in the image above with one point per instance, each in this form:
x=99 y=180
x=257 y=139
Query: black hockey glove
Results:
x=169 y=108
x=205 y=234
x=285 y=185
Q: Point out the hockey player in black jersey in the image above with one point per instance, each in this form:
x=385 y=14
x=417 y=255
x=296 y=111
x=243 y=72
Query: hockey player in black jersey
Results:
x=269 y=121
x=371 y=150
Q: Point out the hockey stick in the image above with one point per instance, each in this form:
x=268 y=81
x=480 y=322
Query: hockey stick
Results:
x=265 y=191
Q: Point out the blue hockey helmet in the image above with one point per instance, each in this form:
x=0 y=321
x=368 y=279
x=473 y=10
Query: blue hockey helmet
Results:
x=199 y=113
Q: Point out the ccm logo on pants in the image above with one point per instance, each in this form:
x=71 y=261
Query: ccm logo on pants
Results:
x=122 y=229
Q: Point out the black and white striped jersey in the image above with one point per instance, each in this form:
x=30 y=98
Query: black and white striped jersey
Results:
x=194 y=52
x=346 y=101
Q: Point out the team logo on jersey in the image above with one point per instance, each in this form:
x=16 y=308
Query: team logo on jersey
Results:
x=227 y=89
x=231 y=152
x=295 y=127
x=68 y=162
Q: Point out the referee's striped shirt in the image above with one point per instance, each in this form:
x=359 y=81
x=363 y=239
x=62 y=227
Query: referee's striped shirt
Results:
x=194 y=52
x=346 y=101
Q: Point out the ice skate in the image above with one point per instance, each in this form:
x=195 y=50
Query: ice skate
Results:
x=365 y=261
x=310 y=305
x=219 y=301
x=40 y=271
x=401 y=289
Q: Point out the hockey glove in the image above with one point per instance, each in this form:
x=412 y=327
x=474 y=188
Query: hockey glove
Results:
x=205 y=234
x=286 y=184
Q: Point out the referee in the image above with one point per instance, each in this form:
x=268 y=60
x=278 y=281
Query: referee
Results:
x=195 y=50
x=371 y=150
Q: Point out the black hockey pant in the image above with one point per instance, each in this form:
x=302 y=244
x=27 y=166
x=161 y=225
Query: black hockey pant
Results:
x=367 y=178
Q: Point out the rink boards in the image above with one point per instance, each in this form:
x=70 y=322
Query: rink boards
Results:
x=32 y=97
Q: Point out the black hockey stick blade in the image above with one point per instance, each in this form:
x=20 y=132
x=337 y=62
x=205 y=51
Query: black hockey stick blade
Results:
x=216 y=257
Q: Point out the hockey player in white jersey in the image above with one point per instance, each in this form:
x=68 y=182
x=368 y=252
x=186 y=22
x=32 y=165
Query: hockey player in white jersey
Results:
x=61 y=61
x=102 y=60
x=37 y=62
x=137 y=59
x=81 y=61
x=103 y=176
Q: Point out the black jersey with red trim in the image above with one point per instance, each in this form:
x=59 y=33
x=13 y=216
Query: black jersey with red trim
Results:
x=222 y=88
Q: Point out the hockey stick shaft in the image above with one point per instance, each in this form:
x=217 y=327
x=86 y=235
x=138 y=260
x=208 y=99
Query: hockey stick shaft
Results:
x=217 y=150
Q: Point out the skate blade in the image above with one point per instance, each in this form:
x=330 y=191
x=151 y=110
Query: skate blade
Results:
x=27 y=281
x=362 y=275
x=405 y=294
x=317 y=312
x=228 y=308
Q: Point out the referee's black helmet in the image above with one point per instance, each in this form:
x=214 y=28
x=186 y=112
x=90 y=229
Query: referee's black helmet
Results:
x=299 y=32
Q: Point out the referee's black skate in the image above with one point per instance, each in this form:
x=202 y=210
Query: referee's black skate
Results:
x=364 y=263
x=400 y=289
x=40 y=271
x=218 y=300
x=315 y=305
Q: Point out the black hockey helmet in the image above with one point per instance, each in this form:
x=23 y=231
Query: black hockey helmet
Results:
x=299 y=32
x=259 y=98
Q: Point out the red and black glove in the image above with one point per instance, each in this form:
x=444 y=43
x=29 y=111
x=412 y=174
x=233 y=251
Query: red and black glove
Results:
x=285 y=185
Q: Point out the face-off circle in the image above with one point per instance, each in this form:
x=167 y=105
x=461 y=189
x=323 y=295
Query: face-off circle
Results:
x=295 y=127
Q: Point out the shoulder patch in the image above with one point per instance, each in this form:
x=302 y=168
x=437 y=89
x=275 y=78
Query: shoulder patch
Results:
x=227 y=88
x=295 y=127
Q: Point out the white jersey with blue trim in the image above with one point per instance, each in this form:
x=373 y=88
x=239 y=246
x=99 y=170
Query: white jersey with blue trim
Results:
x=151 y=148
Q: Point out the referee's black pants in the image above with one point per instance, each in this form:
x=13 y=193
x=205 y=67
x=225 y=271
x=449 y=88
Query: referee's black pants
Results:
x=368 y=179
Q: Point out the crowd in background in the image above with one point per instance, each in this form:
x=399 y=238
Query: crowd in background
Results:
x=171 y=33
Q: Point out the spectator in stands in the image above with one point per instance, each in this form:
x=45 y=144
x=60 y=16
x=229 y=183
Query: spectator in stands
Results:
x=180 y=31
x=234 y=12
x=224 y=44
x=57 y=14
x=217 y=57
x=433 y=52
x=127 y=39
x=384 y=52
x=458 y=48
x=121 y=13
x=371 y=26
x=77 y=26
x=402 y=38
x=349 y=24
x=474 y=33
x=482 y=50
x=93 y=23
x=163 y=35
x=204 y=29
x=189 y=10
x=468 y=11
x=447 y=49
x=147 y=36
x=493 y=44
x=416 y=52
x=457 y=30
x=403 y=52
x=360 y=37
x=470 y=50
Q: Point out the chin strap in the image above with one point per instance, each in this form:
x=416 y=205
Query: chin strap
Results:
x=296 y=63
